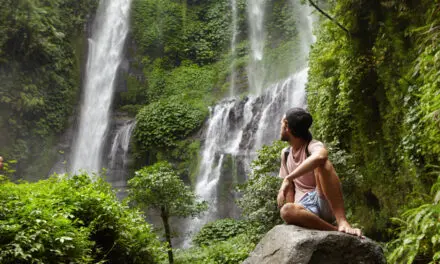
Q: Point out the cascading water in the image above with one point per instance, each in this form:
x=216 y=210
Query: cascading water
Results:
x=233 y=42
x=236 y=129
x=106 y=46
x=118 y=156
x=256 y=10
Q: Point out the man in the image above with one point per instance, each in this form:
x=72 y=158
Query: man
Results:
x=311 y=188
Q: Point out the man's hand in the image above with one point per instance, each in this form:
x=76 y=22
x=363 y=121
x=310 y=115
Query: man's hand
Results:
x=280 y=198
x=282 y=193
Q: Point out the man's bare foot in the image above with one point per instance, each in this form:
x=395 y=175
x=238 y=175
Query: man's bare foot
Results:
x=345 y=227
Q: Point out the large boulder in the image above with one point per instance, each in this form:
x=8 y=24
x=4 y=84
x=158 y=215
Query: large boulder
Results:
x=294 y=245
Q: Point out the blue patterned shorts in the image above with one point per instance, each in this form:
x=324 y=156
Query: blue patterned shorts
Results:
x=318 y=205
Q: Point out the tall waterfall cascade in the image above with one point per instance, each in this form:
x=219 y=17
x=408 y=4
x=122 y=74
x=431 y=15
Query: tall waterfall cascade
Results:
x=236 y=128
x=105 y=53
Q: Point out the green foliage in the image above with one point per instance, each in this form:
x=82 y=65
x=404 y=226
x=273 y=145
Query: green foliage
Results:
x=219 y=230
x=260 y=191
x=418 y=233
x=71 y=220
x=158 y=186
x=157 y=27
x=383 y=117
x=170 y=29
x=231 y=251
x=7 y=171
x=191 y=83
x=162 y=123
x=426 y=68
x=40 y=73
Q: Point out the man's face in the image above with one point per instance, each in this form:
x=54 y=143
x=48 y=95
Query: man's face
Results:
x=284 y=133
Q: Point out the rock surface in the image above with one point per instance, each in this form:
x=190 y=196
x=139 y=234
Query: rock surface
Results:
x=294 y=245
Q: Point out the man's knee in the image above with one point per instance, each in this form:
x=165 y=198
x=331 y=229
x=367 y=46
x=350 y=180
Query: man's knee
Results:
x=326 y=168
x=289 y=212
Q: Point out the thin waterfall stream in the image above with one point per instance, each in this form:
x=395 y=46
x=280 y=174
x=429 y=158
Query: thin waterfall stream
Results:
x=256 y=12
x=105 y=53
x=233 y=48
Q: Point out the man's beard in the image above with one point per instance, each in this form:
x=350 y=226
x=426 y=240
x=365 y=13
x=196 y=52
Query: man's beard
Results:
x=284 y=137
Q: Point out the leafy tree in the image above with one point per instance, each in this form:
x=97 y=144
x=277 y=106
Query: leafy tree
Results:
x=159 y=187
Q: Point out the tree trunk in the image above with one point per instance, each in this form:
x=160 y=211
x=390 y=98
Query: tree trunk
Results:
x=166 y=225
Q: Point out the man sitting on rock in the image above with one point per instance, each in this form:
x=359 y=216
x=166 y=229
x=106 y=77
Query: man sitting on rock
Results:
x=311 y=188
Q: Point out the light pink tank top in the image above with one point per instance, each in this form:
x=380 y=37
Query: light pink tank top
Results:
x=305 y=183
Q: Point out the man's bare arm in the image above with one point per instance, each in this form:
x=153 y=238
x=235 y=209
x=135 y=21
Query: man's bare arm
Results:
x=314 y=161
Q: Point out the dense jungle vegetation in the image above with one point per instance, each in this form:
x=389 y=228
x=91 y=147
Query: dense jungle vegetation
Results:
x=41 y=55
x=373 y=90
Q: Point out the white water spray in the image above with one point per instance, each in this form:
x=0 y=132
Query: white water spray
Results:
x=233 y=49
x=256 y=11
x=106 y=45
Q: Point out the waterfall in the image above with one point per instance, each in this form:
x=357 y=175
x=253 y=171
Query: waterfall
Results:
x=236 y=129
x=256 y=10
x=233 y=42
x=118 y=156
x=105 y=52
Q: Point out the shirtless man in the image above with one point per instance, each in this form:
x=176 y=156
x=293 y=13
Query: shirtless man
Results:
x=311 y=188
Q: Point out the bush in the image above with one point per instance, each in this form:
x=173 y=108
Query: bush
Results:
x=418 y=234
x=162 y=123
x=231 y=251
x=219 y=230
x=76 y=220
x=260 y=191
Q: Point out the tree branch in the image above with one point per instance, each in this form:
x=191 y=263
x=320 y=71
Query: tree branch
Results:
x=329 y=17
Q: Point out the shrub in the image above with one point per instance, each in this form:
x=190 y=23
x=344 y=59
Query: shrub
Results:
x=219 y=230
x=162 y=123
x=260 y=191
x=231 y=251
x=418 y=233
x=76 y=220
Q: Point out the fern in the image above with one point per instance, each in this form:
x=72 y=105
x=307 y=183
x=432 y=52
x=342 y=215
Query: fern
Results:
x=418 y=232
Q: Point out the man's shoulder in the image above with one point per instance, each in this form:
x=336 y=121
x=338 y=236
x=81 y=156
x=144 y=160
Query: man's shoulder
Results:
x=316 y=142
x=315 y=145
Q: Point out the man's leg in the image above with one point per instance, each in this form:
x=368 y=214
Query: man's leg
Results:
x=328 y=184
x=296 y=214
